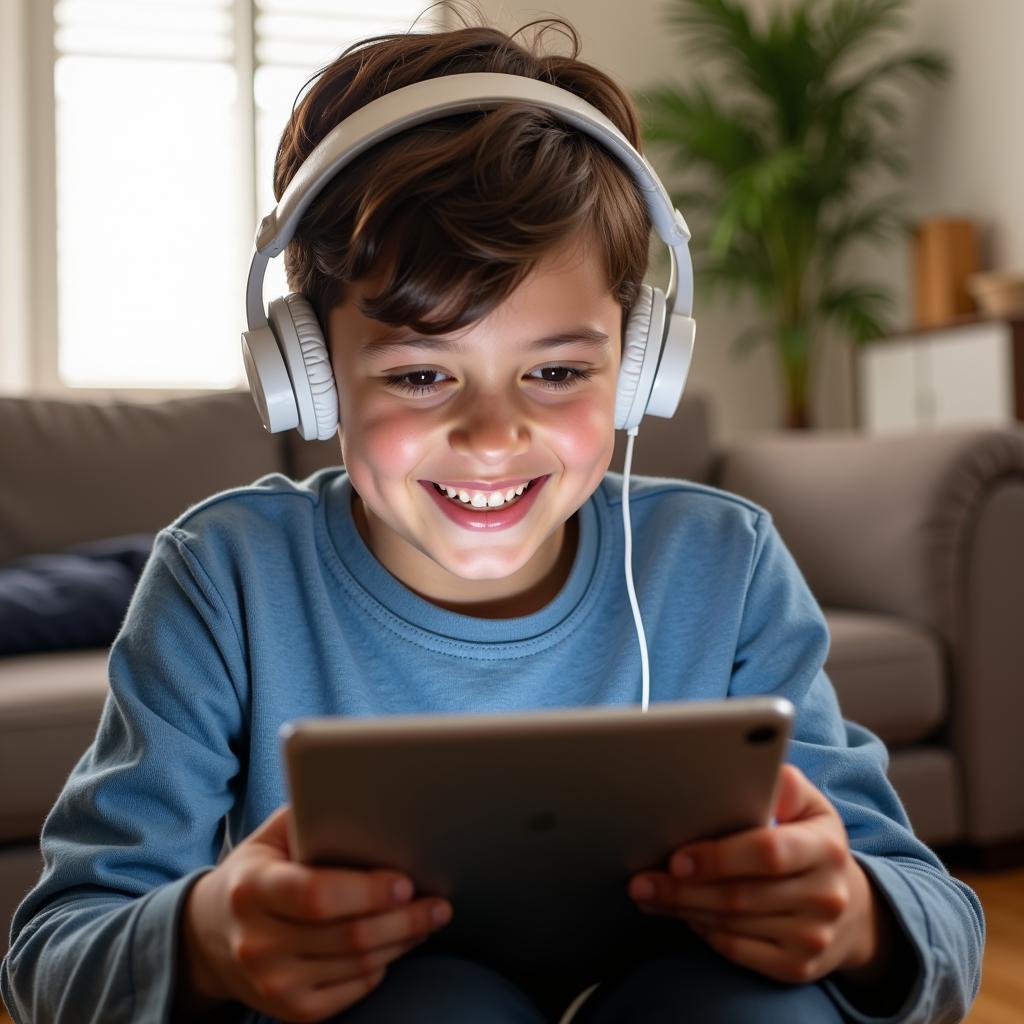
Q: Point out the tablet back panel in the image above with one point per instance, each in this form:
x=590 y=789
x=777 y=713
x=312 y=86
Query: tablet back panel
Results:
x=533 y=823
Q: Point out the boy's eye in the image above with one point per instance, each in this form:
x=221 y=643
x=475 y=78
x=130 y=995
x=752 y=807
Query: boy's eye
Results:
x=565 y=376
x=418 y=378
x=417 y=381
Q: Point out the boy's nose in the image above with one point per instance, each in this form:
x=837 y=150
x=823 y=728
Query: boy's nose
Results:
x=494 y=434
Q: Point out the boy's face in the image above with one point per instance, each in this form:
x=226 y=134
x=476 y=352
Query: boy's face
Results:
x=491 y=413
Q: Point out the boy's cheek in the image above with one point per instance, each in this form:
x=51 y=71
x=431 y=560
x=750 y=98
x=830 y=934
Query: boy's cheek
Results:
x=387 y=441
x=585 y=436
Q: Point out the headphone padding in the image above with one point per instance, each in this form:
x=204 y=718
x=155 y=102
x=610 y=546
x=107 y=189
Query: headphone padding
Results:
x=301 y=342
x=634 y=343
x=640 y=353
x=319 y=375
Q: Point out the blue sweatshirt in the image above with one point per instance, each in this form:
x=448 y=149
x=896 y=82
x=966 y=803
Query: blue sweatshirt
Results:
x=263 y=604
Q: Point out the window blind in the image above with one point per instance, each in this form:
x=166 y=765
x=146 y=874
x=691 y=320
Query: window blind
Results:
x=165 y=135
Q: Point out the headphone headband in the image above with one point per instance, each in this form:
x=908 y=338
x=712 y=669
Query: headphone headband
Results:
x=429 y=100
x=284 y=349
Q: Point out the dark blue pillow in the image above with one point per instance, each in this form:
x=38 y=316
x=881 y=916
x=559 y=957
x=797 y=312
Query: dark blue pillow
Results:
x=74 y=599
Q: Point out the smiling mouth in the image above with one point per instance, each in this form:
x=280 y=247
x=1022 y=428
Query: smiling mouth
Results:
x=483 y=508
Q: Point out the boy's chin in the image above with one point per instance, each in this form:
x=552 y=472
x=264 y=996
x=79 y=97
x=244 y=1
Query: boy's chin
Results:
x=493 y=571
x=483 y=570
x=481 y=592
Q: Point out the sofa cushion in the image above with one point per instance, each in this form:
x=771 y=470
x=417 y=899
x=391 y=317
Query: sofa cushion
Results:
x=888 y=674
x=49 y=707
x=70 y=600
x=927 y=781
x=76 y=471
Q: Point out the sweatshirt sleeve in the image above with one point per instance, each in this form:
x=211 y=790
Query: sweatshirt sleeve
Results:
x=141 y=815
x=782 y=646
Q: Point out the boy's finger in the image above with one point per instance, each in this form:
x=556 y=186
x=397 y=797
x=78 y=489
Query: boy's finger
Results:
x=756 y=853
x=296 y=892
x=810 y=892
x=357 y=936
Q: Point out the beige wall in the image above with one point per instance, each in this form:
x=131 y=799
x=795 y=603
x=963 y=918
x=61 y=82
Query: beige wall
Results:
x=969 y=138
x=965 y=141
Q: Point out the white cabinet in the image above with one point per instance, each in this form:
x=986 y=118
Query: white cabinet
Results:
x=969 y=373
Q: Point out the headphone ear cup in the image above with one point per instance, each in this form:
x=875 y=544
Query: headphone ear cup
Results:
x=641 y=350
x=302 y=344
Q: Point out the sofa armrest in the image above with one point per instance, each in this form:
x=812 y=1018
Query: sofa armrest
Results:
x=929 y=528
x=882 y=524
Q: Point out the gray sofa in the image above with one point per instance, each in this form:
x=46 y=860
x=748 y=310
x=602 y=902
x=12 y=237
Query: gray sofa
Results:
x=913 y=545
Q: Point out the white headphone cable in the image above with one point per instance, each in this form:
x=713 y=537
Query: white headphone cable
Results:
x=644 y=667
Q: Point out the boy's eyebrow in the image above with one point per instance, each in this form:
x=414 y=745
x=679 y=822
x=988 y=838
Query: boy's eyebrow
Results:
x=586 y=335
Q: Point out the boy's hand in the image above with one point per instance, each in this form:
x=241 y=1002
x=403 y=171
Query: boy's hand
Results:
x=789 y=902
x=297 y=943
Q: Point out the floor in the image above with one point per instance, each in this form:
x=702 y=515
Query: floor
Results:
x=1001 y=1000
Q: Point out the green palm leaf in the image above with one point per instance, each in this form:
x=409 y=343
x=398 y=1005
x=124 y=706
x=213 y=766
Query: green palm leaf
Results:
x=860 y=309
x=775 y=165
x=877 y=221
x=696 y=131
x=850 y=26
x=752 y=191
x=927 y=66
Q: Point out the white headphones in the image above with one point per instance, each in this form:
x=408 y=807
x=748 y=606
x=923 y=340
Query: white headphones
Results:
x=286 y=357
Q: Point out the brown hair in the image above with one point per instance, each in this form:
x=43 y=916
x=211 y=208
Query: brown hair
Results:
x=455 y=213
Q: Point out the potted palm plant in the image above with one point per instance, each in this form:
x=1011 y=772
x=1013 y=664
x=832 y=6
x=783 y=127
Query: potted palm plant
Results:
x=774 y=158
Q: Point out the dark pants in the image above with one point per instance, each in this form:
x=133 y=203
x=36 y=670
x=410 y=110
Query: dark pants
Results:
x=688 y=983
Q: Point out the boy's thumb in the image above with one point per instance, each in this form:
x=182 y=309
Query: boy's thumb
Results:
x=274 y=830
x=796 y=797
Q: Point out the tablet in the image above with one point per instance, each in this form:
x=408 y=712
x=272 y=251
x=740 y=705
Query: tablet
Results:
x=532 y=823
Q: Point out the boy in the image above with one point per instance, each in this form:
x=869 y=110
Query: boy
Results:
x=435 y=263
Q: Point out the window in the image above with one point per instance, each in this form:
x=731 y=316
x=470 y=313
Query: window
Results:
x=166 y=119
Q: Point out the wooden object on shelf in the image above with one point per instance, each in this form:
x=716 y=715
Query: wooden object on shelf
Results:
x=998 y=293
x=945 y=255
x=968 y=371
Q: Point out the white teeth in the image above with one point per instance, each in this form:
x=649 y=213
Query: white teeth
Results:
x=479 y=499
